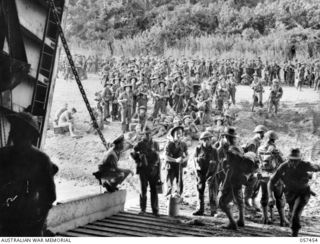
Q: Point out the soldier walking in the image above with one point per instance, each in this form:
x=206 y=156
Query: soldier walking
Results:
x=270 y=159
x=275 y=96
x=295 y=174
x=253 y=186
x=236 y=173
x=258 y=90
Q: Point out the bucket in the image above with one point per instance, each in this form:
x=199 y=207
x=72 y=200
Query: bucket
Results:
x=159 y=187
x=173 y=205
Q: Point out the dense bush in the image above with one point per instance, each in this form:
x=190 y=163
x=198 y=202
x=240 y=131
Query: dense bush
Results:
x=192 y=26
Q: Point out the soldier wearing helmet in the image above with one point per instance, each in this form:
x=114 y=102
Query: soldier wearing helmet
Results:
x=253 y=186
x=270 y=159
x=206 y=165
x=176 y=156
x=275 y=96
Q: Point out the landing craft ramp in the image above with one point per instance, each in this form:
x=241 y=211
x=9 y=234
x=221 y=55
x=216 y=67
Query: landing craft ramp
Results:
x=130 y=224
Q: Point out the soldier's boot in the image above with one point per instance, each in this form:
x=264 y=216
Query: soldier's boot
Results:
x=143 y=204
x=255 y=205
x=294 y=233
x=213 y=213
x=232 y=223
x=240 y=221
x=283 y=220
x=200 y=210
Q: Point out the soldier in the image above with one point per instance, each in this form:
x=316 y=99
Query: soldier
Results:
x=67 y=119
x=222 y=96
x=117 y=89
x=107 y=100
x=126 y=100
x=140 y=117
x=219 y=126
x=26 y=178
x=232 y=88
x=295 y=175
x=317 y=76
x=161 y=96
x=275 y=96
x=176 y=156
x=196 y=84
x=213 y=82
x=109 y=174
x=204 y=99
x=135 y=90
x=270 y=159
x=236 y=166
x=169 y=85
x=206 y=165
x=148 y=168
x=178 y=93
x=142 y=96
x=291 y=73
x=253 y=186
x=258 y=90
x=301 y=75
x=229 y=118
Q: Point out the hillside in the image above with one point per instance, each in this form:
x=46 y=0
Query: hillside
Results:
x=157 y=25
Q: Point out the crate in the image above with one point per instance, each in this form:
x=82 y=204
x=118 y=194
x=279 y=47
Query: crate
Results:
x=60 y=129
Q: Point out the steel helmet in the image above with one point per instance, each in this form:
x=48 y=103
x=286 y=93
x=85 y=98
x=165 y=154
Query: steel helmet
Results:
x=271 y=135
x=205 y=135
x=260 y=128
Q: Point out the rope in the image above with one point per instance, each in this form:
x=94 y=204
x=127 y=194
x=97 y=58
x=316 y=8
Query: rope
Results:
x=75 y=73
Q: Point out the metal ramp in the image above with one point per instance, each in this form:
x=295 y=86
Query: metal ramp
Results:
x=130 y=223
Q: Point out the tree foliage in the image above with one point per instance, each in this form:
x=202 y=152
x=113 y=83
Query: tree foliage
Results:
x=167 y=22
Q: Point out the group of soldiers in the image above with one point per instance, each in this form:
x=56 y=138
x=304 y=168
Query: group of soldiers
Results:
x=237 y=172
x=189 y=103
x=175 y=92
x=291 y=72
x=83 y=64
x=191 y=100
x=232 y=172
